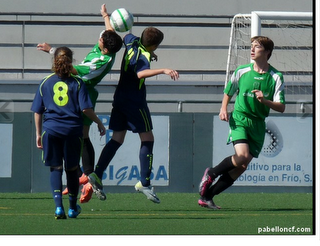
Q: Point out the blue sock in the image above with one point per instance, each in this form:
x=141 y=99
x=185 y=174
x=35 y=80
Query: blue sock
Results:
x=146 y=158
x=106 y=156
x=73 y=187
x=56 y=186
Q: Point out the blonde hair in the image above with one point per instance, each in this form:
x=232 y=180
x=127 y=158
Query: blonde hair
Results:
x=62 y=62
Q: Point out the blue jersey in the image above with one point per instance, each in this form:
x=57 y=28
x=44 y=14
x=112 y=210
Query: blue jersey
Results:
x=131 y=89
x=61 y=101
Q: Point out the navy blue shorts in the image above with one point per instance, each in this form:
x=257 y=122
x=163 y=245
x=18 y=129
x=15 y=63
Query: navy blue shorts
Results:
x=56 y=150
x=135 y=119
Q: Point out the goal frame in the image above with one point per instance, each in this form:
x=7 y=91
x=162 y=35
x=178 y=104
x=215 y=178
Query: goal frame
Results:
x=256 y=17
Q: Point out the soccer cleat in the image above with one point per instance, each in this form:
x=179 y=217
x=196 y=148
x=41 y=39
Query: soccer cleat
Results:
x=148 y=191
x=207 y=203
x=65 y=191
x=205 y=183
x=97 y=186
x=72 y=213
x=82 y=181
x=86 y=193
x=59 y=213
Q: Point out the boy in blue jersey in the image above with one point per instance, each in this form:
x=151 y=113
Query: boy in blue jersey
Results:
x=130 y=110
x=259 y=87
x=97 y=64
x=61 y=99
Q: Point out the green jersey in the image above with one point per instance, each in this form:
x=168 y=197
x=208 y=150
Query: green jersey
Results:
x=244 y=80
x=95 y=66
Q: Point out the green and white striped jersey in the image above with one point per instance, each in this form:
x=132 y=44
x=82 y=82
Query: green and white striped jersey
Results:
x=95 y=66
x=244 y=80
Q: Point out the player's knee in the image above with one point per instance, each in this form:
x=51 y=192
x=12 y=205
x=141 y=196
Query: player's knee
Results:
x=242 y=161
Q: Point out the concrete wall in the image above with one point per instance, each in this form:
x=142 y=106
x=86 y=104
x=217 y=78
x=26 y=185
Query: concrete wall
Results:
x=191 y=138
x=205 y=7
x=195 y=45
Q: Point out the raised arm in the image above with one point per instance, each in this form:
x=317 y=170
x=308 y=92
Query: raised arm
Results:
x=106 y=18
x=46 y=48
x=49 y=49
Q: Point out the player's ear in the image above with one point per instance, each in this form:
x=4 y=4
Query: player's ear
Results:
x=105 y=51
x=268 y=54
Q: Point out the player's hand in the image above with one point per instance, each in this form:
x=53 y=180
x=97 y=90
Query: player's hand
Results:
x=101 y=129
x=259 y=95
x=44 y=47
x=172 y=73
x=39 y=142
x=103 y=10
x=223 y=115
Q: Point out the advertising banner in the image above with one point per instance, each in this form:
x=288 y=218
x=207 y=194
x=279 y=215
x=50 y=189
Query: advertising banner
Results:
x=286 y=158
x=124 y=168
x=6 y=150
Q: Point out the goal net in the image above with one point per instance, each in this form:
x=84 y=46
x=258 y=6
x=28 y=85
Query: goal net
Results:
x=292 y=33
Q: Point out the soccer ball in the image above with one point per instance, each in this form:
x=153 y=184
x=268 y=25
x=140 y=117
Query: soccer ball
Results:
x=121 y=20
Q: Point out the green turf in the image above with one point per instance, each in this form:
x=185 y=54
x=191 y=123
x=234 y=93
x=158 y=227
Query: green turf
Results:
x=177 y=214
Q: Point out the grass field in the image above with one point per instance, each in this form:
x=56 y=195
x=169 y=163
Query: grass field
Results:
x=177 y=214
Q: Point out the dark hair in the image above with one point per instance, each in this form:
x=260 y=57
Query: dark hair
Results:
x=266 y=42
x=151 y=36
x=62 y=62
x=111 y=41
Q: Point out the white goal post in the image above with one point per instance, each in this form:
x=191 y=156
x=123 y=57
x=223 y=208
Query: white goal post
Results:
x=257 y=16
x=292 y=33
